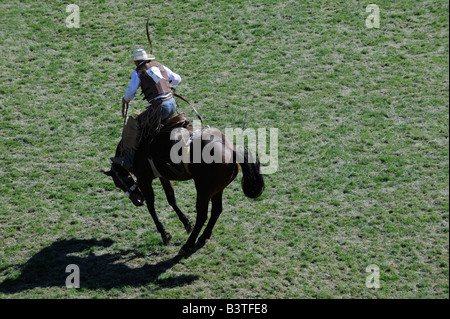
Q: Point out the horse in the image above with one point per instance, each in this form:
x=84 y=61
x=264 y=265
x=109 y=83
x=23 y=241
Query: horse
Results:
x=154 y=158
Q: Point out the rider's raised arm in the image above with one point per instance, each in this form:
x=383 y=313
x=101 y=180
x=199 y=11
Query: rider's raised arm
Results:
x=130 y=93
x=173 y=77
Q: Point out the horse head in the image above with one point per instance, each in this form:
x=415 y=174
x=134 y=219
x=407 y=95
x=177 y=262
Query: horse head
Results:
x=126 y=182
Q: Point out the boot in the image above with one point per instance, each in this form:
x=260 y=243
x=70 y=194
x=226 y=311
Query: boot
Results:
x=126 y=161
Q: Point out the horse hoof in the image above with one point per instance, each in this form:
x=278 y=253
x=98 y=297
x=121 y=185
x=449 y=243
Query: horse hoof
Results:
x=166 y=239
x=189 y=227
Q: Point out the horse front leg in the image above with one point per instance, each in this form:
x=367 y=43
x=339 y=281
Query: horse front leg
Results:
x=147 y=191
x=170 y=195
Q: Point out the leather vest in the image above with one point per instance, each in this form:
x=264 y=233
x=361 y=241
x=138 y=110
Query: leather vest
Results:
x=151 y=88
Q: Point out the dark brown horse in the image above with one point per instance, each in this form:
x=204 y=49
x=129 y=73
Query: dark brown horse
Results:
x=210 y=177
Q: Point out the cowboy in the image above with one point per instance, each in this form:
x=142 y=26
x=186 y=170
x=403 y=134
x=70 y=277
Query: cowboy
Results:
x=154 y=79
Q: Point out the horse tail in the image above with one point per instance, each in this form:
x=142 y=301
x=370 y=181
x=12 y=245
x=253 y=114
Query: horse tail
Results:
x=253 y=181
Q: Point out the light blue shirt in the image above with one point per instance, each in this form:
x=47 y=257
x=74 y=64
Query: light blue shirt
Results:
x=156 y=75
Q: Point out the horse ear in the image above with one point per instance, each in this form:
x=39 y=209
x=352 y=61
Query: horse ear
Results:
x=108 y=173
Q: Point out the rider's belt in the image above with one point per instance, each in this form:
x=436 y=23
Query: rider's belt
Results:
x=160 y=100
x=168 y=97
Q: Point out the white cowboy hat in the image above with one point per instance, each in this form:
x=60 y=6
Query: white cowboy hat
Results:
x=141 y=55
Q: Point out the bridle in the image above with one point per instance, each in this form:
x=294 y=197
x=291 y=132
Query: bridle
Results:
x=129 y=190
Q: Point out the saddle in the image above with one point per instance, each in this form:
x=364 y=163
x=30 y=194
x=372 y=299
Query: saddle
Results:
x=178 y=120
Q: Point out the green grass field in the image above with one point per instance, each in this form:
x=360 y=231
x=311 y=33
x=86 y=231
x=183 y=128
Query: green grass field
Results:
x=363 y=172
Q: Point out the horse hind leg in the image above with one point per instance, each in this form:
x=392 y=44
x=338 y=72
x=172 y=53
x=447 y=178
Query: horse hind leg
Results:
x=227 y=177
x=202 y=215
x=170 y=195
x=216 y=210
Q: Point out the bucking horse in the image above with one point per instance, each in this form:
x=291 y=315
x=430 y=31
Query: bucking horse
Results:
x=159 y=157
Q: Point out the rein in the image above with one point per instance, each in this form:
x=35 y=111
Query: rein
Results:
x=195 y=111
x=125 y=114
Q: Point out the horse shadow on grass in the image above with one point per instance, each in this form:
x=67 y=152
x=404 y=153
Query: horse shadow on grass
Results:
x=47 y=268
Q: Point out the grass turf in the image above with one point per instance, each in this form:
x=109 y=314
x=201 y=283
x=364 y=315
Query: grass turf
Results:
x=363 y=149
